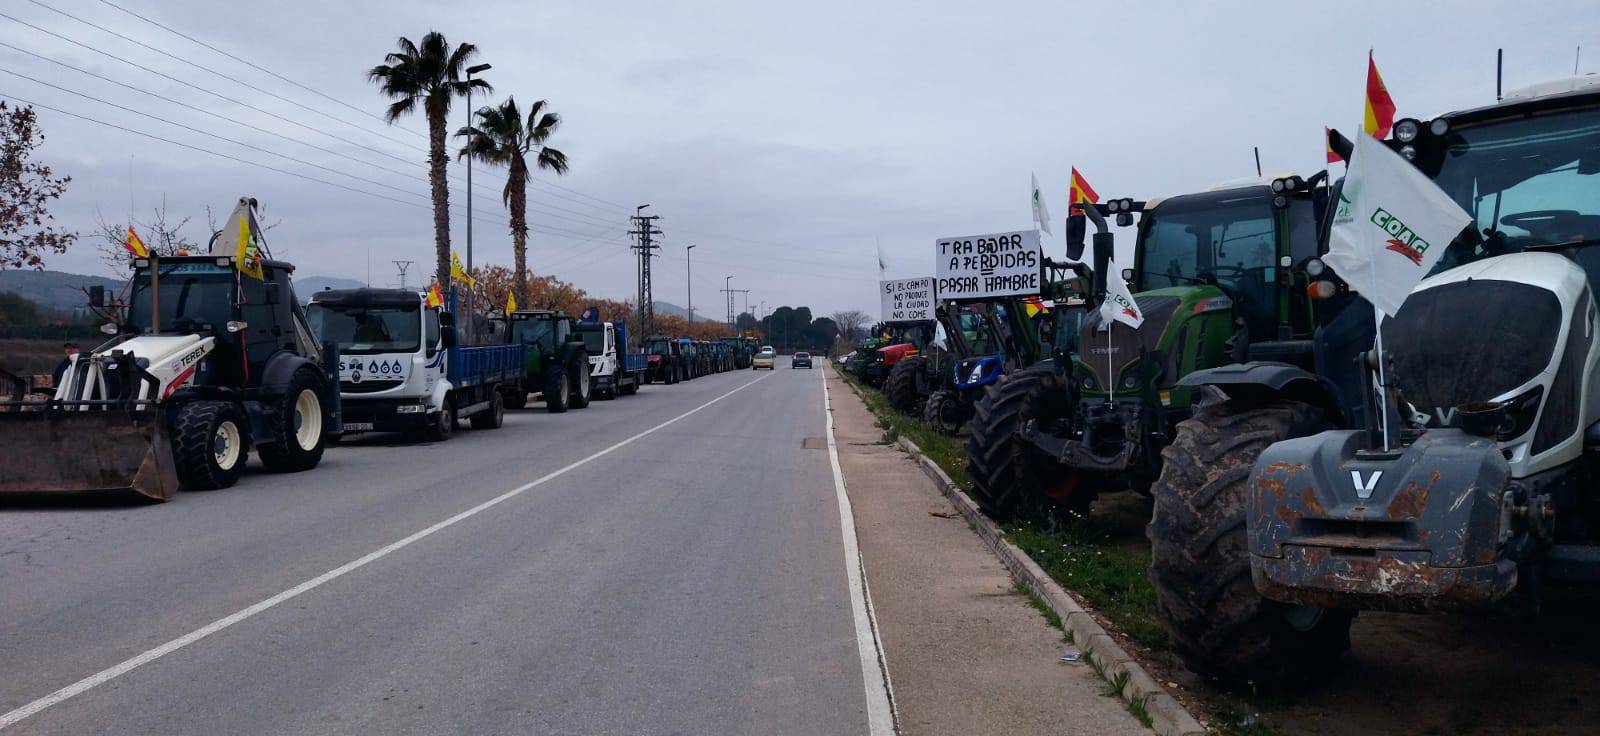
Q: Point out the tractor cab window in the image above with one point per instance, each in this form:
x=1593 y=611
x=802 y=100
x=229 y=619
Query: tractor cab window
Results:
x=975 y=332
x=658 y=347
x=1066 y=323
x=1230 y=243
x=539 y=332
x=1526 y=182
x=368 y=329
x=195 y=297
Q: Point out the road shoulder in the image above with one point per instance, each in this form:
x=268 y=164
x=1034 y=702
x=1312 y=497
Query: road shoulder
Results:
x=967 y=651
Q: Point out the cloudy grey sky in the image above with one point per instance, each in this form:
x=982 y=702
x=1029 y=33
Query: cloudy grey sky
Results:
x=785 y=139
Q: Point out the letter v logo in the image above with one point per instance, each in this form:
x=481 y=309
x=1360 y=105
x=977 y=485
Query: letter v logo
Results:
x=1364 y=487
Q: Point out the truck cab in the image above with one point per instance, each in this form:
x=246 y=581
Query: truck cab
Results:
x=400 y=369
x=612 y=368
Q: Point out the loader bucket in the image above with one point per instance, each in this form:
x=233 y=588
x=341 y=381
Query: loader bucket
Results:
x=51 y=451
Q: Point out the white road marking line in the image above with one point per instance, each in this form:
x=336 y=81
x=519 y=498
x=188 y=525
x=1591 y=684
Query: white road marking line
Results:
x=881 y=718
x=115 y=671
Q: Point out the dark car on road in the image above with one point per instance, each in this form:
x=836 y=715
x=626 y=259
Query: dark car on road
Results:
x=800 y=360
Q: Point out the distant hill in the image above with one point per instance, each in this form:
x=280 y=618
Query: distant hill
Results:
x=54 y=291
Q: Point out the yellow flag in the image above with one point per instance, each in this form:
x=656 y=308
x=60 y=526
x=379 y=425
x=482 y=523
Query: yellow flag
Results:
x=248 y=256
x=458 y=273
x=511 y=302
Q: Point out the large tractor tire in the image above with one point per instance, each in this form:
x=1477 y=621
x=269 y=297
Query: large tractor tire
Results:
x=556 y=390
x=1219 y=625
x=209 y=444
x=944 y=412
x=907 y=383
x=1012 y=478
x=580 y=382
x=296 y=426
x=492 y=417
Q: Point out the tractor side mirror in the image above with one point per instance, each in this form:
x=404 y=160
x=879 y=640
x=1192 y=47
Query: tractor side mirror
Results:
x=447 y=335
x=97 y=296
x=1076 y=227
x=274 y=293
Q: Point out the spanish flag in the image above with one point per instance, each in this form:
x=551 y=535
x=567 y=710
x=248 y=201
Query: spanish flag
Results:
x=135 y=245
x=1333 y=156
x=511 y=303
x=1380 y=106
x=1081 y=193
x=1033 y=305
x=434 y=299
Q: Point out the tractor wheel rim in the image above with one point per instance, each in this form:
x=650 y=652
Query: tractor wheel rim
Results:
x=583 y=384
x=1302 y=618
x=307 y=419
x=225 y=445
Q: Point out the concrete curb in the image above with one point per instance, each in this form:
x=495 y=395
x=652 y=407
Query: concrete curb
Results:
x=1168 y=717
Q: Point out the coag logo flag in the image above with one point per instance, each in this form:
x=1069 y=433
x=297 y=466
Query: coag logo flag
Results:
x=1391 y=226
x=1119 y=304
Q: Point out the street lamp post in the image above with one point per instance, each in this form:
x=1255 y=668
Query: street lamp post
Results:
x=471 y=70
x=688 y=283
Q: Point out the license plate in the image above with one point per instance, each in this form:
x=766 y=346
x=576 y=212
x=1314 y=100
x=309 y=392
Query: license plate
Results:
x=358 y=426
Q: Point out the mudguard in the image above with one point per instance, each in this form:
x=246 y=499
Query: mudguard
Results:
x=1330 y=524
x=1263 y=380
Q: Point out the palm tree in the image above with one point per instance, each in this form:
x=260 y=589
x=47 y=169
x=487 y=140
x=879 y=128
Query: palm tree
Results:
x=432 y=74
x=501 y=137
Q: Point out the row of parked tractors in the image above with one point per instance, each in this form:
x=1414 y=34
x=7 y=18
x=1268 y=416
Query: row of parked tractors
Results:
x=212 y=356
x=682 y=359
x=1300 y=470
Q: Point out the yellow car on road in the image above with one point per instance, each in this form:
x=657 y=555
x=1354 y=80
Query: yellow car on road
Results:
x=764 y=359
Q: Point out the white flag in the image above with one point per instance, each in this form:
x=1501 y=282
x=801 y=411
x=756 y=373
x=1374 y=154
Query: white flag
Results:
x=941 y=339
x=1392 y=225
x=1119 y=304
x=1041 y=215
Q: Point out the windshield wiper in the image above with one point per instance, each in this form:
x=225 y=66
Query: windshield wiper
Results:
x=1558 y=246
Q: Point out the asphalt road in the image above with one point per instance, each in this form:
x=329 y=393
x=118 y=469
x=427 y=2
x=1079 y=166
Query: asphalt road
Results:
x=691 y=580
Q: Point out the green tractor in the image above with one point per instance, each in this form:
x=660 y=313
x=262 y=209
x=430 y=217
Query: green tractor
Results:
x=1213 y=273
x=557 y=364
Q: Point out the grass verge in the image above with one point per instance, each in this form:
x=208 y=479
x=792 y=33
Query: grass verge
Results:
x=1101 y=559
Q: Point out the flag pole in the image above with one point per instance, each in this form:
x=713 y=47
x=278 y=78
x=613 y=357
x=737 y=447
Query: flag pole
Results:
x=1383 y=382
x=1111 y=379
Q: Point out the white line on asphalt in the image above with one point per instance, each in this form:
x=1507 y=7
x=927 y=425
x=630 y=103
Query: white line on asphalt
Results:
x=881 y=719
x=115 y=671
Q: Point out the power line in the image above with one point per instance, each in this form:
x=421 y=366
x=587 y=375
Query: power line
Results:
x=214 y=72
x=546 y=230
x=215 y=94
x=255 y=66
x=226 y=139
x=537 y=207
x=299 y=85
x=204 y=111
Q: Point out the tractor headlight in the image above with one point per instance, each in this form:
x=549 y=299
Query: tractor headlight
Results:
x=1315 y=267
x=1087 y=382
x=237 y=326
x=1130 y=381
x=1439 y=126
x=1409 y=152
x=976 y=375
x=110 y=328
x=1406 y=130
